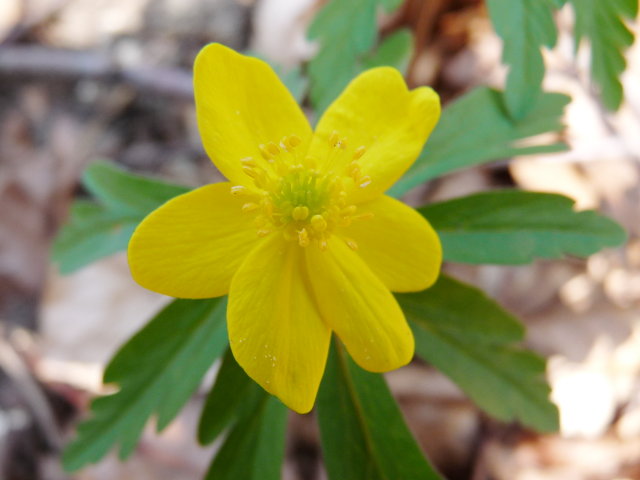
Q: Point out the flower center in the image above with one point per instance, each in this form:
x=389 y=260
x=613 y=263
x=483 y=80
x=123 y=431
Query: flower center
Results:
x=294 y=198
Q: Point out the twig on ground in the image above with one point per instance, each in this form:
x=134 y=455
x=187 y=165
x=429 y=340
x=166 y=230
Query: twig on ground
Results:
x=44 y=62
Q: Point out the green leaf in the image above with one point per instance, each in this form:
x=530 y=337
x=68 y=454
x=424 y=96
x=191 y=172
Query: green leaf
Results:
x=157 y=370
x=363 y=433
x=390 y=5
x=93 y=232
x=524 y=26
x=394 y=51
x=97 y=230
x=475 y=130
x=471 y=339
x=346 y=30
x=603 y=23
x=512 y=227
x=120 y=190
x=227 y=399
x=254 y=449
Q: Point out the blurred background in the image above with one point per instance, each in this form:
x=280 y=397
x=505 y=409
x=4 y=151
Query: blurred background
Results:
x=82 y=80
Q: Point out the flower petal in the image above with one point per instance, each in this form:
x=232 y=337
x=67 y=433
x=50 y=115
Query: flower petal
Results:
x=275 y=330
x=378 y=112
x=192 y=245
x=398 y=244
x=240 y=104
x=359 y=308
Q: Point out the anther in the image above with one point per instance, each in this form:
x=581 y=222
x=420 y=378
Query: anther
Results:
x=238 y=190
x=300 y=212
x=342 y=143
x=334 y=138
x=359 y=152
x=250 y=171
x=363 y=216
x=265 y=153
x=323 y=244
x=263 y=232
x=272 y=148
x=267 y=207
x=293 y=141
x=318 y=223
x=332 y=211
x=250 y=207
x=290 y=142
x=248 y=162
x=353 y=169
x=303 y=238
x=351 y=244
x=365 y=181
x=349 y=210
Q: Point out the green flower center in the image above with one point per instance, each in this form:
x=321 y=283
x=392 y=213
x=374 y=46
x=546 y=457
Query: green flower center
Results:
x=294 y=198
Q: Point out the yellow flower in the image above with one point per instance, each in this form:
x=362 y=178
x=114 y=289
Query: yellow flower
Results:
x=301 y=237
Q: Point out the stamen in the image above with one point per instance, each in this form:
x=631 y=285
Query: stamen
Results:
x=351 y=244
x=334 y=138
x=267 y=206
x=336 y=186
x=363 y=216
x=252 y=172
x=260 y=221
x=250 y=207
x=365 y=181
x=353 y=169
x=238 y=190
x=265 y=153
x=293 y=198
x=303 y=238
x=318 y=223
x=350 y=210
x=300 y=213
x=272 y=148
x=294 y=141
x=359 y=152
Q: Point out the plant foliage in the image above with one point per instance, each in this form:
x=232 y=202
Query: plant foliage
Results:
x=156 y=371
x=476 y=343
x=457 y=328
x=364 y=436
x=347 y=31
x=103 y=227
x=603 y=24
x=515 y=227
x=475 y=130
x=524 y=26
